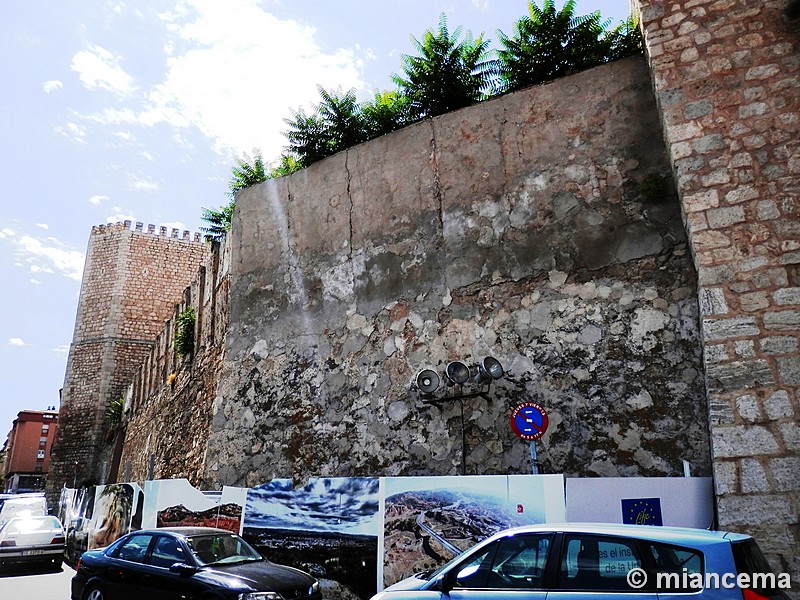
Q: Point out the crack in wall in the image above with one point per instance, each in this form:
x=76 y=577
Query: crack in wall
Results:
x=437 y=189
x=352 y=206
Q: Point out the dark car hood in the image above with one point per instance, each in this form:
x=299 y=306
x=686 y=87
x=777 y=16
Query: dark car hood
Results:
x=261 y=576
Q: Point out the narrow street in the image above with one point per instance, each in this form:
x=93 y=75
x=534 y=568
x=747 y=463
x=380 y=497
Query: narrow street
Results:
x=35 y=584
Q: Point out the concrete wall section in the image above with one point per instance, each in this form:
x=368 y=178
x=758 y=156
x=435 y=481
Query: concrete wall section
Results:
x=520 y=228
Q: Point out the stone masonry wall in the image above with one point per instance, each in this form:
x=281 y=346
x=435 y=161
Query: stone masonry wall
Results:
x=131 y=282
x=169 y=423
x=727 y=79
x=540 y=228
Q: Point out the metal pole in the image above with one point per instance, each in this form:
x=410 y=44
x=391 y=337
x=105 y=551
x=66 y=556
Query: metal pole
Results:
x=534 y=459
x=463 y=441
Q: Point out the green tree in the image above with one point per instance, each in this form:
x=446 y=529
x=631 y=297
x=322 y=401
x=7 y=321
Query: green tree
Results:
x=341 y=118
x=306 y=137
x=219 y=221
x=286 y=165
x=386 y=112
x=335 y=125
x=549 y=43
x=246 y=172
x=447 y=74
x=624 y=40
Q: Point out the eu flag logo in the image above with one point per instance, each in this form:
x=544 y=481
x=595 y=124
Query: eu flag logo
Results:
x=641 y=511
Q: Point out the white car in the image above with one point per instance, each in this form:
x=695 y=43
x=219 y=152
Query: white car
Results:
x=26 y=540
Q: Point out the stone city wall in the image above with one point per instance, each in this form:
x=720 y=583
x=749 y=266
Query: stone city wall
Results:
x=168 y=404
x=726 y=74
x=540 y=228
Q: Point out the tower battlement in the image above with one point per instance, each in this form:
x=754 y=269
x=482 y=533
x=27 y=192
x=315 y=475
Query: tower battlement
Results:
x=160 y=230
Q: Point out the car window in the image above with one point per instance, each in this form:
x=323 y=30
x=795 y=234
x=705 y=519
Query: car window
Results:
x=748 y=558
x=474 y=572
x=167 y=552
x=225 y=548
x=597 y=563
x=510 y=563
x=31 y=524
x=674 y=565
x=134 y=548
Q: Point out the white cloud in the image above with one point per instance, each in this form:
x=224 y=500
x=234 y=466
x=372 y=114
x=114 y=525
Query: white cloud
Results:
x=181 y=227
x=34 y=281
x=17 y=342
x=52 y=86
x=74 y=132
x=45 y=255
x=98 y=69
x=61 y=351
x=141 y=184
x=44 y=226
x=34 y=268
x=118 y=216
x=230 y=74
x=97 y=200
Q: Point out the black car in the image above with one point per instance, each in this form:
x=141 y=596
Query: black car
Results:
x=186 y=562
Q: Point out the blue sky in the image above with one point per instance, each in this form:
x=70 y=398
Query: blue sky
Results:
x=115 y=110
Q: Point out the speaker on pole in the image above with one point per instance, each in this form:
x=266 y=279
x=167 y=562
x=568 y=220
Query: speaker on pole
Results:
x=427 y=381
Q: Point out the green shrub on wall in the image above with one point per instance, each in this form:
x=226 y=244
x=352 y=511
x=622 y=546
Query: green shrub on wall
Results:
x=184 y=332
x=113 y=414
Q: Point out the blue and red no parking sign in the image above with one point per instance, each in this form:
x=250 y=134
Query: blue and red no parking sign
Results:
x=529 y=421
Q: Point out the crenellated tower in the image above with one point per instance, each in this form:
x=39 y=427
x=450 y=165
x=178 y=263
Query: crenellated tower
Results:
x=132 y=279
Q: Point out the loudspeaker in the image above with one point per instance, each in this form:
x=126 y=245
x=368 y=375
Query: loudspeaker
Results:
x=457 y=372
x=427 y=381
x=490 y=368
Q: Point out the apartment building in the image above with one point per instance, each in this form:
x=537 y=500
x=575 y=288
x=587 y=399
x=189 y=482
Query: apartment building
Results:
x=27 y=450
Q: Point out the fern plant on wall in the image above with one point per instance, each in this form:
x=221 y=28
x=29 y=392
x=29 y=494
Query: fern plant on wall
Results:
x=184 y=332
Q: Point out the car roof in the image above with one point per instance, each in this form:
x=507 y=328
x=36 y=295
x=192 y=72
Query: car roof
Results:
x=674 y=535
x=188 y=531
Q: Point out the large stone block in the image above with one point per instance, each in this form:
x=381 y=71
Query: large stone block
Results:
x=741 y=375
x=769 y=509
x=742 y=440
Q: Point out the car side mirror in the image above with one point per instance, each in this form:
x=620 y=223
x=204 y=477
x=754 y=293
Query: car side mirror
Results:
x=183 y=569
x=448 y=581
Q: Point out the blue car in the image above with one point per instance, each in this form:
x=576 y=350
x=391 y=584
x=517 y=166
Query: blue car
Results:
x=582 y=561
x=176 y=563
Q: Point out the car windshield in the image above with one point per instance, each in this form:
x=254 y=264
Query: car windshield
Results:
x=31 y=524
x=222 y=549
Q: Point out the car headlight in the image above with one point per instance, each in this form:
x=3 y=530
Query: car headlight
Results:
x=260 y=596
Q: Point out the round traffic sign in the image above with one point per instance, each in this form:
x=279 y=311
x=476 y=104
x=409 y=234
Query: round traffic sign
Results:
x=529 y=421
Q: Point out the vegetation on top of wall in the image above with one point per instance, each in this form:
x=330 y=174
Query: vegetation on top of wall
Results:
x=184 y=331
x=447 y=74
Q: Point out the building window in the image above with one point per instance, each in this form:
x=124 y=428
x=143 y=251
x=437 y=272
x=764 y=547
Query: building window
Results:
x=40 y=454
x=45 y=429
x=38 y=468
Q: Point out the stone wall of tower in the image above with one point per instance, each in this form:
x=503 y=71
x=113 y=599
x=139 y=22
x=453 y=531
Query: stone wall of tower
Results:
x=167 y=415
x=726 y=74
x=132 y=280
